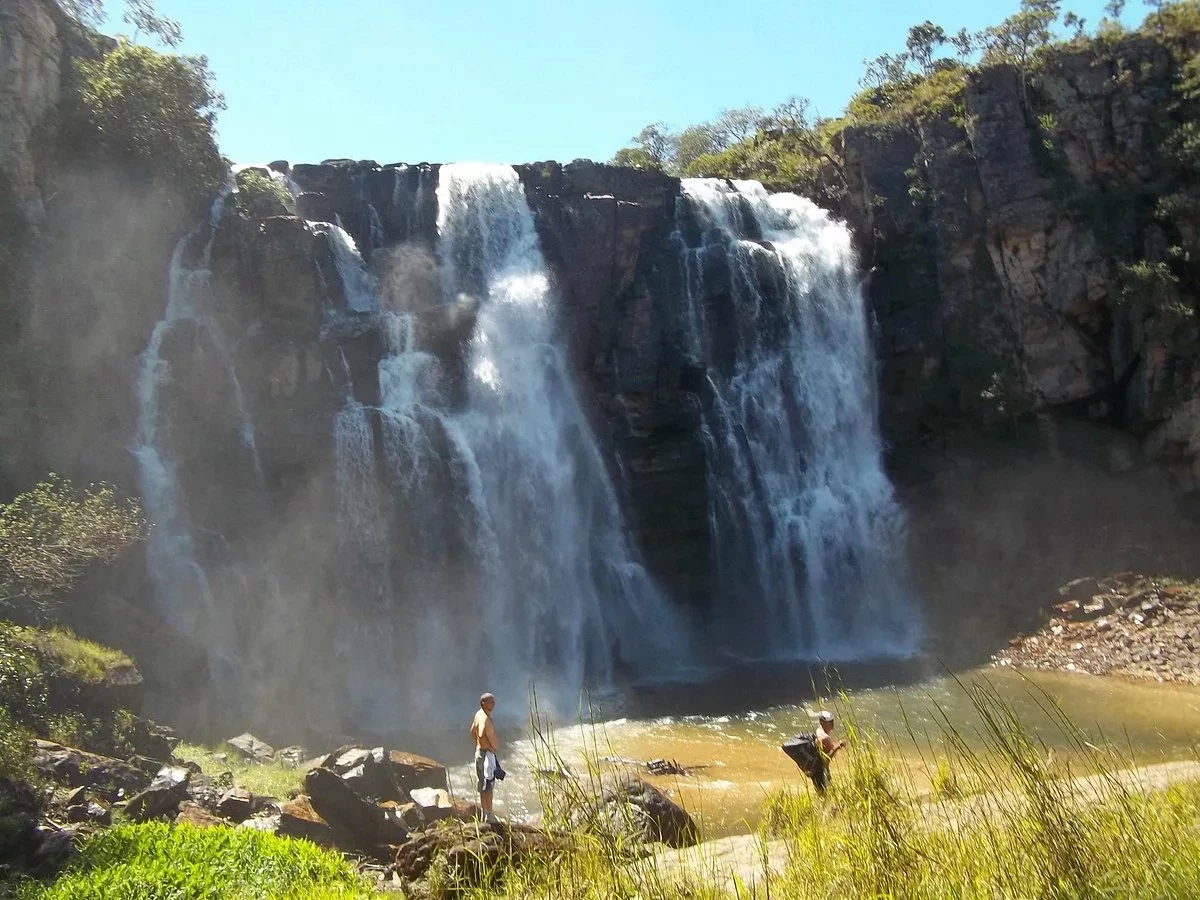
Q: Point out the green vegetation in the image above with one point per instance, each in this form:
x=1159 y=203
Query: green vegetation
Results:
x=141 y=14
x=52 y=533
x=43 y=675
x=75 y=657
x=148 y=114
x=159 y=860
x=274 y=779
x=48 y=537
x=14 y=749
x=261 y=196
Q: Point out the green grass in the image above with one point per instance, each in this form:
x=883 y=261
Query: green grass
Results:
x=63 y=651
x=156 y=860
x=273 y=779
x=78 y=657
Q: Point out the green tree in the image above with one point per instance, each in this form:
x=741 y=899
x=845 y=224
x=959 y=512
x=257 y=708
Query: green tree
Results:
x=1071 y=20
x=1021 y=37
x=692 y=143
x=883 y=70
x=791 y=114
x=149 y=113
x=52 y=533
x=1018 y=38
x=141 y=14
x=261 y=196
x=737 y=124
x=634 y=158
x=923 y=42
x=964 y=43
x=89 y=12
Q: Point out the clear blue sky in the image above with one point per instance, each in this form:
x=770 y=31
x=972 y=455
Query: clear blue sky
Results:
x=524 y=80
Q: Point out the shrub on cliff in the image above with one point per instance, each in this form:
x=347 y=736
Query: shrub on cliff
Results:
x=45 y=675
x=149 y=114
x=51 y=534
x=262 y=197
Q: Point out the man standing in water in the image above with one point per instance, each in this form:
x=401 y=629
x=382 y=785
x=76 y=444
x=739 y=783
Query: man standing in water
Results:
x=483 y=732
x=813 y=753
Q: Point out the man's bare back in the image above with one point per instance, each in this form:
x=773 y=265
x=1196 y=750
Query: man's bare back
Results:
x=483 y=732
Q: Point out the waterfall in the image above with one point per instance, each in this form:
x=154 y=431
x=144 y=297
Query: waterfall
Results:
x=556 y=595
x=174 y=561
x=361 y=287
x=806 y=532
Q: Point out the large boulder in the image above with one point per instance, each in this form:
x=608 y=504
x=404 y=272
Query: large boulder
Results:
x=411 y=771
x=252 y=748
x=168 y=789
x=640 y=812
x=381 y=775
x=196 y=815
x=297 y=818
x=473 y=853
x=337 y=803
x=236 y=804
x=76 y=768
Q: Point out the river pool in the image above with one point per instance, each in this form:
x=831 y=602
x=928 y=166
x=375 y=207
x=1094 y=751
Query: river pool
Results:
x=734 y=752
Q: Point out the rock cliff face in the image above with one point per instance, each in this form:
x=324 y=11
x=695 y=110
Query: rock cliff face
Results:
x=31 y=56
x=1002 y=236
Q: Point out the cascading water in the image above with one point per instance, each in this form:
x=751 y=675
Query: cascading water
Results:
x=806 y=531
x=362 y=289
x=177 y=573
x=520 y=564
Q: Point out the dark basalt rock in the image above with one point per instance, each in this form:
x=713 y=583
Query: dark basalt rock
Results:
x=75 y=768
x=640 y=811
x=252 y=748
x=316 y=207
x=338 y=804
x=168 y=789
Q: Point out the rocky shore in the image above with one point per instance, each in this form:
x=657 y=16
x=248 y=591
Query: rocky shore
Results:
x=388 y=810
x=1128 y=625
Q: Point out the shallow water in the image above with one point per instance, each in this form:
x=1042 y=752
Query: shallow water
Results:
x=737 y=758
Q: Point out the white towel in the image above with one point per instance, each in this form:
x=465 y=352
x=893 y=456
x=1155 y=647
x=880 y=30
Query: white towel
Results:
x=489 y=766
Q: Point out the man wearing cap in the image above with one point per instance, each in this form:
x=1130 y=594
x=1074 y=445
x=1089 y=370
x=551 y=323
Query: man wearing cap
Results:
x=828 y=749
x=483 y=732
x=813 y=752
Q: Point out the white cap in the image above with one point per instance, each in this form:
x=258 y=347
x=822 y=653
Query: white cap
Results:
x=825 y=716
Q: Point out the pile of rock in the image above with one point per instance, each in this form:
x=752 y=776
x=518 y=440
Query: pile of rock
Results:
x=1126 y=625
x=388 y=808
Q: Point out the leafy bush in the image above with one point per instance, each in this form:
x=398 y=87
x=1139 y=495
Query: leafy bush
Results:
x=161 y=860
x=262 y=197
x=148 y=113
x=49 y=535
x=14 y=749
x=41 y=676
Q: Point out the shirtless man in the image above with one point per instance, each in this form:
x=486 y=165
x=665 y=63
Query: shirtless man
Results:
x=483 y=732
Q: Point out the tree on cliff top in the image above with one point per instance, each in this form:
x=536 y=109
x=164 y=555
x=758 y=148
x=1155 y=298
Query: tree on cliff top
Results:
x=141 y=14
x=151 y=114
x=52 y=533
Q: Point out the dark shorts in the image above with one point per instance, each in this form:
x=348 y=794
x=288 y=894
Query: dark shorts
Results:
x=482 y=786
